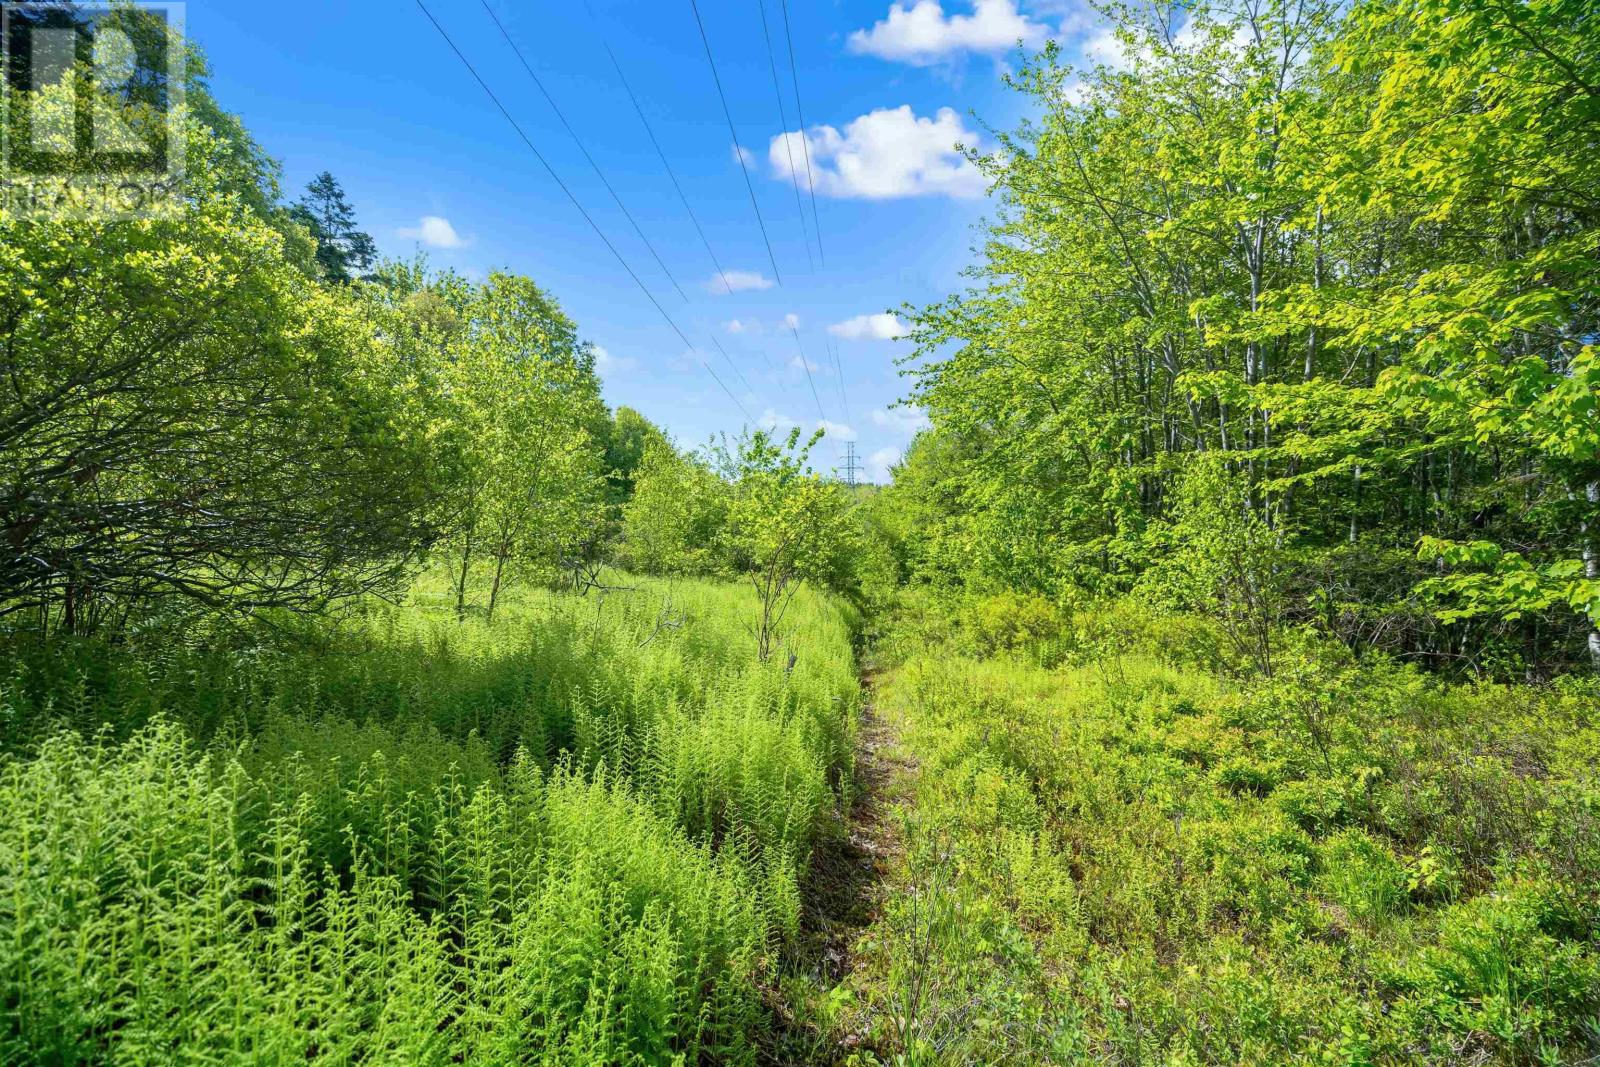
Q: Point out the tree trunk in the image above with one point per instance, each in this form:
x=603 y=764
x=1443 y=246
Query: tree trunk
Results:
x=502 y=552
x=461 y=582
x=1591 y=564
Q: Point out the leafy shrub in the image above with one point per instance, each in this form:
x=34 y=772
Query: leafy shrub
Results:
x=1511 y=966
x=1008 y=621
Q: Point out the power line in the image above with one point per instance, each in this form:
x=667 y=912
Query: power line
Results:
x=583 y=148
x=783 y=119
x=722 y=275
x=766 y=354
x=806 y=366
x=717 y=378
x=578 y=204
x=805 y=142
x=838 y=369
x=734 y=133
x=731 y=363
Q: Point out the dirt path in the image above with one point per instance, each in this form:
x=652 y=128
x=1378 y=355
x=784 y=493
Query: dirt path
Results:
x=842 y=892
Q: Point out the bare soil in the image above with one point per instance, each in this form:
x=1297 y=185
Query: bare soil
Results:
x=842 y=891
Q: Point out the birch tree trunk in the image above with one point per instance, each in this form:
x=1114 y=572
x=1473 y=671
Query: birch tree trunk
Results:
x=1591 y=564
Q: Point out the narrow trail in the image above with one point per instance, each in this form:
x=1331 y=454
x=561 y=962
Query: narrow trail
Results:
x=843 y=890
x=845 y=882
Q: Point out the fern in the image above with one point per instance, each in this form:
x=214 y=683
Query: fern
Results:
x=460 y=843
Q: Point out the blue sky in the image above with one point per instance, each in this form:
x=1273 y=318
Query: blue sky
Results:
x=369 y=90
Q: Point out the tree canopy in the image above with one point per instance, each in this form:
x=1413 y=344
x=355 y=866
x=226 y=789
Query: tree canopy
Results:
x=1346 y=252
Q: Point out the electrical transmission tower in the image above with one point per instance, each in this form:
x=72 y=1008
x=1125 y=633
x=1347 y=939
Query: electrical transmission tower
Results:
x=851 y=466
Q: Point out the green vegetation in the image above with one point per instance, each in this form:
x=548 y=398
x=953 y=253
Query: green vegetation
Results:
x=417 y=839
x=1261 y=484
x=1339 y=255
x=371 y=692
x=1119 y=848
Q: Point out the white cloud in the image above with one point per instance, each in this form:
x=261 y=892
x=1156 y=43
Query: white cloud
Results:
x=775 y=422
x=905 y=421
x=1075 y=15
x=880 y=465
x=881 y=327
x=891 y=152
x=435 y=232
x=738 y=281
x=791 y=321
x=742 y=326
x=741 y=154
x=1234 y=36
x=1104 y=47
x=605 y=364
x=800 y=363
x=924 y=35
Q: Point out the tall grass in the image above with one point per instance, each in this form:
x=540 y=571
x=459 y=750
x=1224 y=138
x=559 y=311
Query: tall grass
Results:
x=571 y=835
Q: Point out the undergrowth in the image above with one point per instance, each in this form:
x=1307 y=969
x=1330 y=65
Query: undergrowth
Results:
x=1124 y=849
x=568 y=836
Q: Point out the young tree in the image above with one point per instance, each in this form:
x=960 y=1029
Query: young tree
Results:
x=628 y=436
x=673 y=523
x=1225 y=561
x=526 y=393
x=786 y=526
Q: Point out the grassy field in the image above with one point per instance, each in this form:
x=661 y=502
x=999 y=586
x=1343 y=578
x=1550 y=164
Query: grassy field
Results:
x=570 y=835
x=1117 y=851
x=580 y=834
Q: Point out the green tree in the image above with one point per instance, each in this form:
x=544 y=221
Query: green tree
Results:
x=184 y=414
x=628 y=437
x=1483 y=124
x=786 y=526
x=1224 y=561
x=673 y=523
x=1348 y=248
x=344 y=252
x=526 y=393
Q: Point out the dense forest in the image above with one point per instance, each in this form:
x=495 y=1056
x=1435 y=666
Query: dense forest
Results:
x=1215 y=681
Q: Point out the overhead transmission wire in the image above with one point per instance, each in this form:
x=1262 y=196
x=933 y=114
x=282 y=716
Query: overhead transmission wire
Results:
x=539 y=82
x=604 y=181
x=805 y=142
x=805 y=365
x=838 y=369
x=734 y=133
x=579 y=205
x=783 y=119
x=722 y=275
x=666 y=165
x=811 y=185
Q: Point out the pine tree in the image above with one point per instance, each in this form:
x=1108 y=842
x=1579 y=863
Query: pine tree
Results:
x=345 y=252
